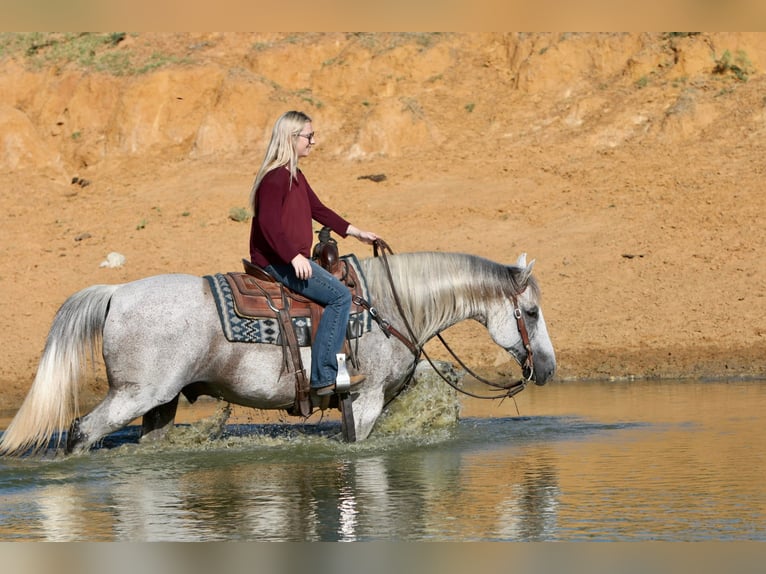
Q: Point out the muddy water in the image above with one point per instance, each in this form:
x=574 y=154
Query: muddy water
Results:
x=642 y=460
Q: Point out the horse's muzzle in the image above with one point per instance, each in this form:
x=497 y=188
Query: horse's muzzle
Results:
x=542 y=373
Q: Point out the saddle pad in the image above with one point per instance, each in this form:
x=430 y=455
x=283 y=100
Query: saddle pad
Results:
x=240 y=328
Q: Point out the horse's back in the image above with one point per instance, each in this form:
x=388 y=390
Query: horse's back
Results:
x=170 y=291
x=170 y=306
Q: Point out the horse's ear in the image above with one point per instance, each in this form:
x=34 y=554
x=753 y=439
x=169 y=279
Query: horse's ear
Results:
x=526 y=270
x=521 y=270
x=529 y=268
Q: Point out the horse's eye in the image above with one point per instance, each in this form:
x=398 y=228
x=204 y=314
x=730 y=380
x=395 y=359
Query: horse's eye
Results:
x=533 y=313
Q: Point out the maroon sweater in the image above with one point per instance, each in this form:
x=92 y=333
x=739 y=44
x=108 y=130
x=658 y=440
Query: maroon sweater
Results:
x=281 y=227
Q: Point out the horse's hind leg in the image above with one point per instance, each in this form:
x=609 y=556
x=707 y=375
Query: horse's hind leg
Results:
x=116 y=411
x=158 y=421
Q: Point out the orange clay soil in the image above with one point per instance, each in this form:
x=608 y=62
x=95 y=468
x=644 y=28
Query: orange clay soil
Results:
x=630 y=166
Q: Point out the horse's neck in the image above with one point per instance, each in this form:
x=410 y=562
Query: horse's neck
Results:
x=432 y=298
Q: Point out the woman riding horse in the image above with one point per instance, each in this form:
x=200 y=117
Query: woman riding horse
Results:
x=281 y=236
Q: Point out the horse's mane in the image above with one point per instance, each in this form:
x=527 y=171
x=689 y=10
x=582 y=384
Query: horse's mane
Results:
x=438 y=289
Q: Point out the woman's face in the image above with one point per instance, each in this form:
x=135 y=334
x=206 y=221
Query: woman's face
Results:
x=305 y=140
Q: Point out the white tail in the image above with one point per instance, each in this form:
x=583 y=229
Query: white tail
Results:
x=52 y=402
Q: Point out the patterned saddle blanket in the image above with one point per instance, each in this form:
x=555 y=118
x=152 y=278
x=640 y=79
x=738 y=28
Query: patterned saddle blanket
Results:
x=247 y=306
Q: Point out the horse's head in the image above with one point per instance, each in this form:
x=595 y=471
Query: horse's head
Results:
x=516 y=323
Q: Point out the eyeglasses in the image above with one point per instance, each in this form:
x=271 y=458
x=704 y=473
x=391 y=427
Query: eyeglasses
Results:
x=307 y=136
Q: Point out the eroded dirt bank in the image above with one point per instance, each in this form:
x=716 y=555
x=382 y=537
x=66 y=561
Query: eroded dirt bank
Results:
x=630 y=166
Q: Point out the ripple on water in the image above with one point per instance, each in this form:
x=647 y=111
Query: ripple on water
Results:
x=598 y=469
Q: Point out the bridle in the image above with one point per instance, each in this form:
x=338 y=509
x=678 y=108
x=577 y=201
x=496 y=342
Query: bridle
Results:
x=509 y=390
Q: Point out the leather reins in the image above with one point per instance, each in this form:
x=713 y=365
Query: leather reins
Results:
x=379 y=249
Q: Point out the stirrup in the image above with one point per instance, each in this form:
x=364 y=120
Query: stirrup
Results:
x=344 y=382
x=342 y=379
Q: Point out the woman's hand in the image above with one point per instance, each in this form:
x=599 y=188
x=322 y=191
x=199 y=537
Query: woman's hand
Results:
x=302 y=267
x=363 y=236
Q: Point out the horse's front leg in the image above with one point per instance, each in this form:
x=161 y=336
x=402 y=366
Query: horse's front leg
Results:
x=367 y=407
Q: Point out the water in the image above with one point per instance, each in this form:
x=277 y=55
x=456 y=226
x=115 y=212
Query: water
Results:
x=637 y=461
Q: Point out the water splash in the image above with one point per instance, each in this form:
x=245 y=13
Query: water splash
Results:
x=427 y=412
x=429 y=405
x=205 y=430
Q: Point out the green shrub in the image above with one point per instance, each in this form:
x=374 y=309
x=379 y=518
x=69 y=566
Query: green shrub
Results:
x=739 y=65
x=239 y=214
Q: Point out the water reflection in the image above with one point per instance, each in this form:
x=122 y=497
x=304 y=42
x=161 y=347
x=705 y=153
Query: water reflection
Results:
x=531 y=512
x=60 y=516
x=690 y=471
x=419 y=493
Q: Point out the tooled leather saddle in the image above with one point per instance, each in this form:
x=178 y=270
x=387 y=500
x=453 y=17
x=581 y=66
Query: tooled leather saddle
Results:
x=256 y=294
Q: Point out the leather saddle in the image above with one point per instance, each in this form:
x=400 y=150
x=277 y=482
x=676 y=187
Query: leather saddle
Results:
x=257 y=294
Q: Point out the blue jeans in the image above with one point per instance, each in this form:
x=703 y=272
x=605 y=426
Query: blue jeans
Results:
x=328 y=291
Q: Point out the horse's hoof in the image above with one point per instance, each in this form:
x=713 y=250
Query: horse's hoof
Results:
x=74 y=436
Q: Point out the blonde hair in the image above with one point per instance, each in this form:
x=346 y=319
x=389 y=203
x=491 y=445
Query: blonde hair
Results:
x=281 y=150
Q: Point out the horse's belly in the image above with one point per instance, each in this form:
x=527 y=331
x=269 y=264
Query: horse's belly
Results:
x=277 y=398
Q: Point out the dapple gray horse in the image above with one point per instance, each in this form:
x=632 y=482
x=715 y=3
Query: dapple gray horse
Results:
x=161 y=336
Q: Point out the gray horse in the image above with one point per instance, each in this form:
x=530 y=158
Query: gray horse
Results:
x=162 y=335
